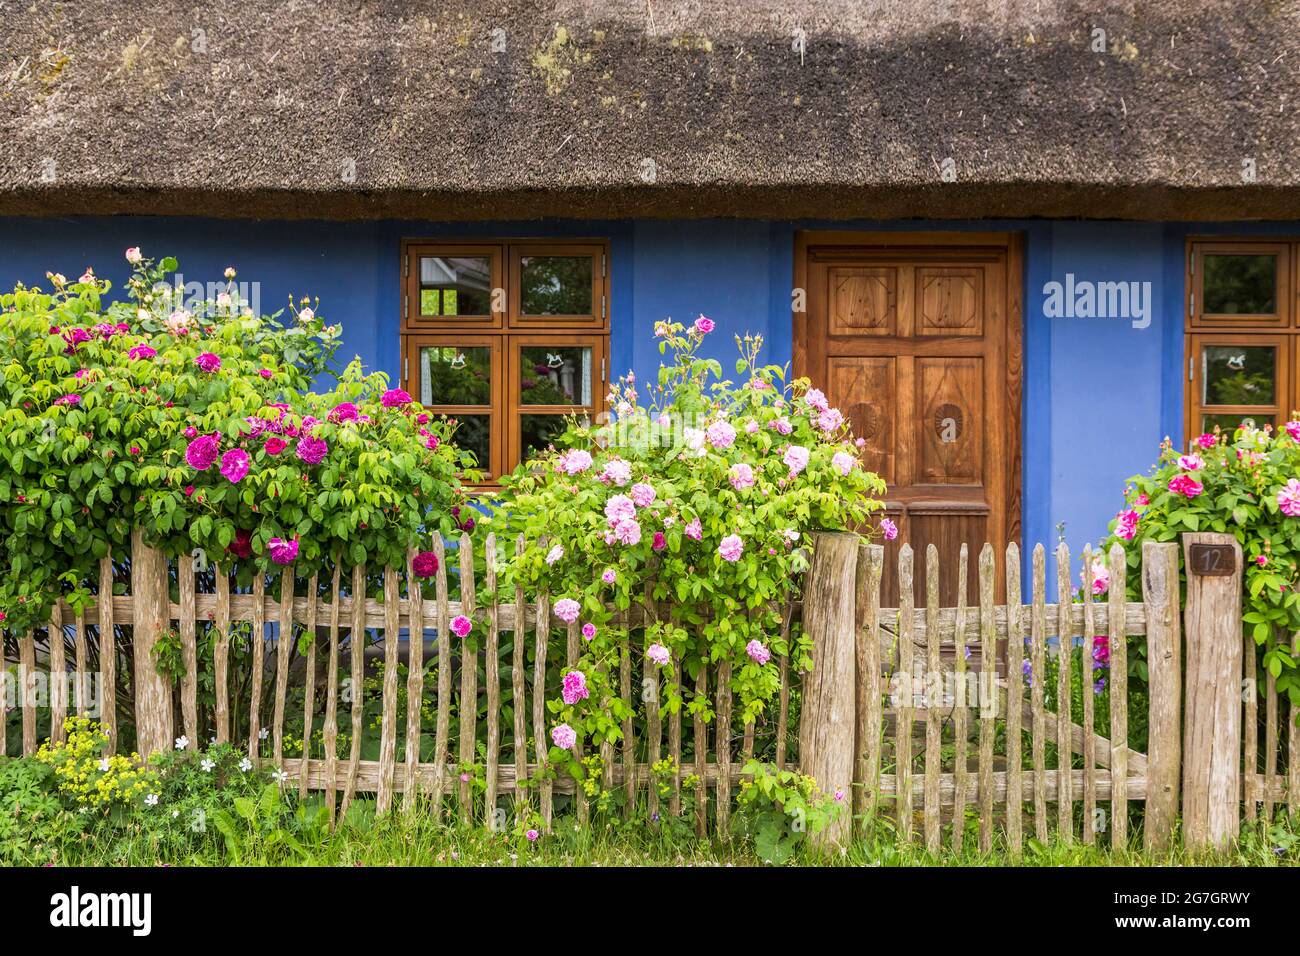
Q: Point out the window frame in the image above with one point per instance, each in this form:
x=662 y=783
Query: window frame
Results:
x=505 y=334
x=1281 y=318
x=1281 y=329
x=413 y=251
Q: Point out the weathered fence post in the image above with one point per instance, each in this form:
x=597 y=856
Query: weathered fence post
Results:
x=1164 y=675
x=828 y=721
x=1212 y=734
x=152 y=614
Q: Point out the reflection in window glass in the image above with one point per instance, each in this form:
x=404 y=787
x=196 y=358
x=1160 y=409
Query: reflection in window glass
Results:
x=554 y=375
x=1229 y=423
x=539 y=431
x=474 y=433
x=450 y=375
x=1239 y=375
x=1240 y=285
x=455 y=285
x=555 y=285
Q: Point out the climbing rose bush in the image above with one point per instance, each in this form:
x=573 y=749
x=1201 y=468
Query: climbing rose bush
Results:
x=1246 y=484
x=195 y=421
x=704 y=489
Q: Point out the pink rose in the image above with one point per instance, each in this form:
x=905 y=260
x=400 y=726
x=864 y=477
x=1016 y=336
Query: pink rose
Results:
x=312 y=450
x=642 y=494
x=757 y=652
x=567 y=609
x=1288 y=498
x=796 y=459
x=843 y=462
x=888 y=529
x=703 y=325
x=564 y=737
x=816 y=400
x=720 y=434
x=395 y=398
x=1186 y=485
x=608 y=576
x=575 y=462
x=659 y=654
x=573 y=687
x=234 y=465
x=1126 y=523
x=731 y=547
x=275 y=445
x=461 y=625
x=694 y=530
x=589 y=630
x=619 y=508
x=741 y=476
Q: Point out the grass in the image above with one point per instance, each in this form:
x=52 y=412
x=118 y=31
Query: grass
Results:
x=397 y=840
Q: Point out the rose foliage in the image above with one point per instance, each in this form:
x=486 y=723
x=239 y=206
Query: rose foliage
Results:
x=1246 y=484
x=704 y=490
x=196 y=422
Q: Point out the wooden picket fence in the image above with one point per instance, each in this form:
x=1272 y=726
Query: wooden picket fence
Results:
x=1017 y=760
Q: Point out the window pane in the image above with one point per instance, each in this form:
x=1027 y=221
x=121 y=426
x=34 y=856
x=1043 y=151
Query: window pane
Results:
x=555 y=285
x=1239 y=375
x=455 y=376
x=1240 y=285
x=474 y=433
x=538 y=431
x=1229 y=423
x=455 y=286
x=554 y=375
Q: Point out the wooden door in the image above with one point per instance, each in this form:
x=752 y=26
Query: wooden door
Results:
x=918 y=343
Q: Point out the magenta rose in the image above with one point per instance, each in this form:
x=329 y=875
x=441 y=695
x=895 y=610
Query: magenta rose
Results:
x=395 y=398
x=207 y=362
x=234 y=465
x=345 y=412
x=312 y=450
x=283 y=551
x=201 y=453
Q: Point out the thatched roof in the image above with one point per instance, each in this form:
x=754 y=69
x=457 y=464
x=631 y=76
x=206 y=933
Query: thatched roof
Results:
x=255 y=108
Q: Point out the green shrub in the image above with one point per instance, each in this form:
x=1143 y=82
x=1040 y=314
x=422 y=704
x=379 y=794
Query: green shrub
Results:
x=197 y=424
x=709 y=491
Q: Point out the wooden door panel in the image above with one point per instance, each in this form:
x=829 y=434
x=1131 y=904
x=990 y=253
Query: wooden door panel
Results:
x=866 y=392
x=951 y=423
x=862 y=300
x=950 y=301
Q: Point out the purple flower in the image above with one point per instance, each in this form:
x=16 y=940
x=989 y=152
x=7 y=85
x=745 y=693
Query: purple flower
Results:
x=1027 y=668
x=234 y=464
x=312 y=450
x=208 y=362
x=201 y=453
x=72 y=398
x=138 y=352
x=425 y=564
x=395 y=398
x=888 y=529
x=283 y=551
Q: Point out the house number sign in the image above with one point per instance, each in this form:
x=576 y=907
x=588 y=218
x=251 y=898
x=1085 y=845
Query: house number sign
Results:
x=1212 y=560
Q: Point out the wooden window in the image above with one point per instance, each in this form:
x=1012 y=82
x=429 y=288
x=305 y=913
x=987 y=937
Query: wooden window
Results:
x=1243 y=334
x=507 y=338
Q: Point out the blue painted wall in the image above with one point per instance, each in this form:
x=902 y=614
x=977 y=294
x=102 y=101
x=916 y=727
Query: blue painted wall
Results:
x=1099 y=394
